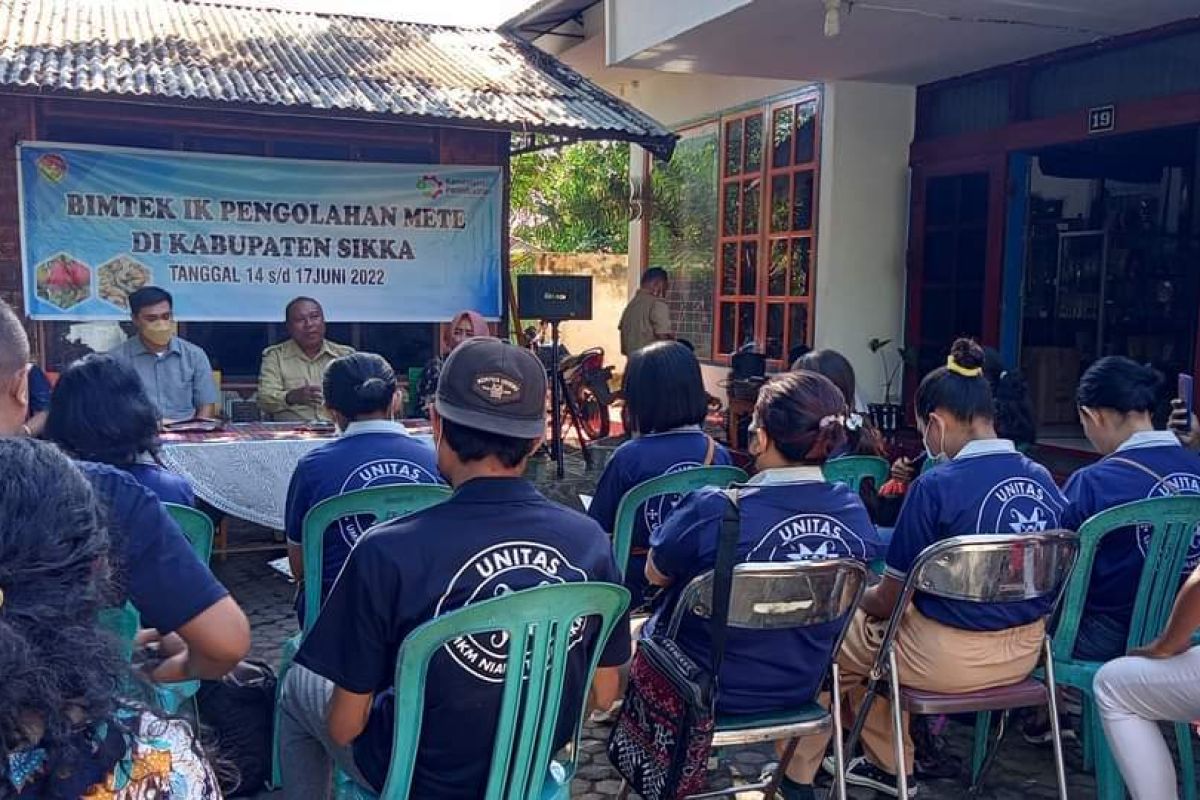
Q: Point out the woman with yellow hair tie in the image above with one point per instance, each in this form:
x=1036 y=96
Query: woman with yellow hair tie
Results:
x=983 y=486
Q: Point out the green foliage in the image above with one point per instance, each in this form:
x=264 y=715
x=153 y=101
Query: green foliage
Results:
x=573 y=199
x=684 y=217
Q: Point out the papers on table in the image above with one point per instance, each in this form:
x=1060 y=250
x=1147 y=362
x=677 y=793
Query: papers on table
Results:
x=282 y=566
x=586 y=500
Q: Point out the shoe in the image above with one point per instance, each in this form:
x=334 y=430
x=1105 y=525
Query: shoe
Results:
x=861 y=772
x=1038 y=731
x=599 y=717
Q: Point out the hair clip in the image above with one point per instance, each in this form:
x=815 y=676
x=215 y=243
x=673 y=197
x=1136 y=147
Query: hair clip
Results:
x=832 y=419
x=854 y=422
x=959 y=369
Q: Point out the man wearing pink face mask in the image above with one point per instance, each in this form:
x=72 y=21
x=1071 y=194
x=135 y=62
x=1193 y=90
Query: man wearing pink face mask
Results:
x=176 y=373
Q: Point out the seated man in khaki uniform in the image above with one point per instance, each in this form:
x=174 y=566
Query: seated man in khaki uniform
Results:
x=289 y=382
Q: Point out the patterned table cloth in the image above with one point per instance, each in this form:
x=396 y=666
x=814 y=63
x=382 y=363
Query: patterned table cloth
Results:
x=244 y=470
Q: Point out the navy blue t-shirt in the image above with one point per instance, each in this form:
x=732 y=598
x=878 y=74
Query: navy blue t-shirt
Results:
x=988 y=488
x=372 y=453
x=1111 y=482
x=156 y=567
x=637 y=461
x=169 y=487
x=784 y=516
x=492 y=537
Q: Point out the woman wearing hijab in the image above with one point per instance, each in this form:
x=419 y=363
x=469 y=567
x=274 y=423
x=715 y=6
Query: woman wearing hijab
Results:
x=465 y=325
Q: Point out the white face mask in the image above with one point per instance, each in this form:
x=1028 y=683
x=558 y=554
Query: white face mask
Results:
x=940 y=455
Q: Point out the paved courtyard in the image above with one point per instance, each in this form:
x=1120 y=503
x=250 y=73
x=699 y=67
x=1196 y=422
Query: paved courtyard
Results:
x=1021 y=772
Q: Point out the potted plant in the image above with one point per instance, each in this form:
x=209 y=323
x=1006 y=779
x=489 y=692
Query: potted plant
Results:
x=887 y=415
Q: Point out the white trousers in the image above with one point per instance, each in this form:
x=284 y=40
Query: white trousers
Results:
x=1133 y=695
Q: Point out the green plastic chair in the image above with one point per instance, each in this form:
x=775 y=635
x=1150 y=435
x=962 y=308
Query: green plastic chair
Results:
x=539 y=619
x=383 y=503
x=853 y=470
x=675 y=483
x=1173 y=520
x=196 y=526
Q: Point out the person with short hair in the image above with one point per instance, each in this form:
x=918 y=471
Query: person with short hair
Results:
x=176 y=373
x=1116 y=399
x=289 y=381
x=983 y=486
x=786 y=513
x=647 y=317
x=495 y=535
x=100 y=412
x=155 y=567
x=864 y=438
x=665 y=405
x=360 y=394
x=66 y=732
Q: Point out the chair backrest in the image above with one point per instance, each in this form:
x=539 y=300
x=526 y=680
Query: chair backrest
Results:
x=988 y=568
x=675 y=483
x=123 y=622
x=196 y=526
x=538 y=624
x=383 y=503
x=853 y=470
x=775 y=595
x=1170 y=523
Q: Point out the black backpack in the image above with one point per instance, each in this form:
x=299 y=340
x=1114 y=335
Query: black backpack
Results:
x=238 y=712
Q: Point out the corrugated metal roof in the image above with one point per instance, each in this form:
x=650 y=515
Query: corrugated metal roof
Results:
x=192 y=51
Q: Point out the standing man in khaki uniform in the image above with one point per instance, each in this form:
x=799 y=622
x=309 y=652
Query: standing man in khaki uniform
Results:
x=647 y=318
x=289 y=383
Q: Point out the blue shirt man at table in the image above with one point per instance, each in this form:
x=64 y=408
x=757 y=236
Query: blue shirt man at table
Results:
x=202 y=631
x=176 y=373
x=496 y=534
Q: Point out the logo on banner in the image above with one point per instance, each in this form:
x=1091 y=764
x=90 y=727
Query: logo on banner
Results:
x=431 y=186
x=381 y=472
x=808 y=537
x=52 y=167
x=1018 y=505
x=497 y=571
x=656 y=509
x=1168 y=485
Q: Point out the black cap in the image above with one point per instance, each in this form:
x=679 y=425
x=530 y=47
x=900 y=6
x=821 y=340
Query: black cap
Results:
x=492 y=386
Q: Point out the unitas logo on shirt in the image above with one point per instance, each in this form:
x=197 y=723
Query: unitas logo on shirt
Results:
x=807 y=537
x=656 y=509
x=495 y=572
x=1169 y=485
x=1018 y=505
x=381 y=472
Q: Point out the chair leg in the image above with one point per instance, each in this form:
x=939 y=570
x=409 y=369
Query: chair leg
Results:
x=983 y=729
x=897 y=727
x=839 y=751
x=223 y=538
x=1060 y=770
x=1187 y=763
x=623 y=792
x=1087 y=741
x=977 y=782
x=773 y=784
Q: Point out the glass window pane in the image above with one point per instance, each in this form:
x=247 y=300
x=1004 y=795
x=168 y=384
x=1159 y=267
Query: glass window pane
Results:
x=802 y=191
x=775 y=330
x=939 y=256
x=777 y=277
x=754 y=131
x=728 y=327
x=683 y=233
x=733 y=147
x=781 y=137
x=729 y=265
x=751 y=190
x=733 y=203
x=971 y=263
x=806 y=132
x=797 y=325
x=801 y=261
x=781 y=200
x=749 y=282
x=745 y=323
x=941 y=200
x=974 y=201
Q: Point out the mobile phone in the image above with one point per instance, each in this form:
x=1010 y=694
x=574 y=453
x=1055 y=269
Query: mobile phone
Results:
x=1186 y=392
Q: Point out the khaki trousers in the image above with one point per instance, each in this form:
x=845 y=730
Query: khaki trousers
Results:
x=929 y=656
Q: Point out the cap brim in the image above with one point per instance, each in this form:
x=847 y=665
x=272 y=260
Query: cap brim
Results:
x=491 y=423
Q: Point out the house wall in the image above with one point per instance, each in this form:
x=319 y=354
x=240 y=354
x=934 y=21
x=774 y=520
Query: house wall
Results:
x=637 y=25
x=609 y=296
x=863 y=223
